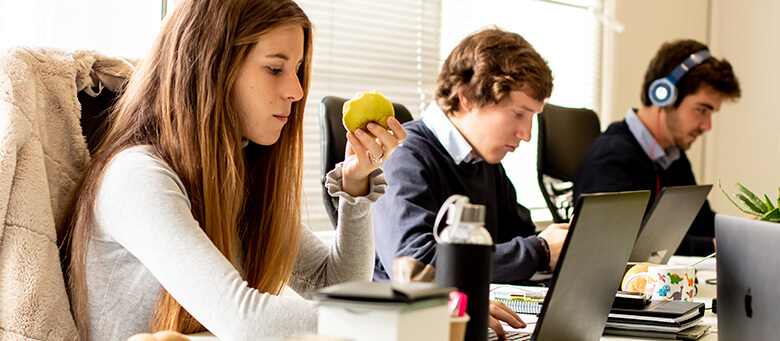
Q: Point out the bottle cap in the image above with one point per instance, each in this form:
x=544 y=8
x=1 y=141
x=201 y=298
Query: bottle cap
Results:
x=472 y=213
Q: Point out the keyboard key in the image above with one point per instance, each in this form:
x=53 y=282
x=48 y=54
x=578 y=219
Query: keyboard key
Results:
x=511 y=335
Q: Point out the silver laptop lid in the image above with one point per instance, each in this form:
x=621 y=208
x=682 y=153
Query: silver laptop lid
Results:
x=591 y=264
x=667 y=221
x=748 y=267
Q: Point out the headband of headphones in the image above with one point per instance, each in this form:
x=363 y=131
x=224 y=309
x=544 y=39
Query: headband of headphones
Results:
x=663 y=91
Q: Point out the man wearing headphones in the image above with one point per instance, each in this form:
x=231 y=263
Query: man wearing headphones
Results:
x=683 y=86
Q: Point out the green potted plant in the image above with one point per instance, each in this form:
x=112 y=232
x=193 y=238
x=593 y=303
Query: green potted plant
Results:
x=763 y=209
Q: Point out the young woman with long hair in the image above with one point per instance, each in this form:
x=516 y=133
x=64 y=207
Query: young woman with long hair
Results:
x=188 y=217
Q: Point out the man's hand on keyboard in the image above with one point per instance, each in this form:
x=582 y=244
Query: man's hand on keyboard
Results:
x=500 y=312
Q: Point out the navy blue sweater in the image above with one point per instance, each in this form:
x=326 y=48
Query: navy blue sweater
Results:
x=616 y=162
x=421 y=176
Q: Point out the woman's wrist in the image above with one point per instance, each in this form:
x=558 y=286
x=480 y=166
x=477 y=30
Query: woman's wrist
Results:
x=355 y=188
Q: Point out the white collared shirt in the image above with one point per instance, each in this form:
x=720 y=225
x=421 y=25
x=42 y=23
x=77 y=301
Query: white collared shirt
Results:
x=449 y=136
x=664 y=157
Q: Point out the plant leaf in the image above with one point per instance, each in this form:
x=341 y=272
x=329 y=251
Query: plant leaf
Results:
x=750 y=205
x=756 y=201
x=769 y=203
x=773 y=215
x=732 y=201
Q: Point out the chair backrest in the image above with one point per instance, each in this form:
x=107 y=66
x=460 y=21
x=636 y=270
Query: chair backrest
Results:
x=333 y=141
x=565 y=134
x=94 y=110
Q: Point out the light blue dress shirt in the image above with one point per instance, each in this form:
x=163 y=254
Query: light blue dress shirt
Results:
x=449 y=136
x=664 y=157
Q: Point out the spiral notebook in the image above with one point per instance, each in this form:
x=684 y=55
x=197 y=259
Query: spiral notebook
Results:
x=521 y=299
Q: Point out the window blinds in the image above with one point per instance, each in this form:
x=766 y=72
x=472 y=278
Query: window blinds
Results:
x=391 y=46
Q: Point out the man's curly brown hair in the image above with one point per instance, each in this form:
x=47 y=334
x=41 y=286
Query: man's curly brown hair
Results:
x=491 y=63
x=716 y=73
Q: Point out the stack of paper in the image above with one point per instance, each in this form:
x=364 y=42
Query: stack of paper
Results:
x=657 y=319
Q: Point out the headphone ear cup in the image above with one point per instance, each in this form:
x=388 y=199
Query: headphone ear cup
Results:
x=662 y=92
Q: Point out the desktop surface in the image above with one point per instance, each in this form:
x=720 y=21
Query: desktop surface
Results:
x=705 y=272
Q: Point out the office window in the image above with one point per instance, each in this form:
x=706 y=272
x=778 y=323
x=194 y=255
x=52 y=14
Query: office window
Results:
x=391 y=46
x=567 y=34
x=122 y=27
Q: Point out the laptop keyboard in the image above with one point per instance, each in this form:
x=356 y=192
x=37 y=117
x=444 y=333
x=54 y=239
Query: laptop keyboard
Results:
x=510 y=335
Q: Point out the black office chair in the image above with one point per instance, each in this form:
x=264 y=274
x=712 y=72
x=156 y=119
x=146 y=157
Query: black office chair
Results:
x=94 y=111
x=565 y=134
x=333 y=141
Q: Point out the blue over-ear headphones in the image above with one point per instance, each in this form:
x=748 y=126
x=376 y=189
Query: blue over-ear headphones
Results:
x=663 y=91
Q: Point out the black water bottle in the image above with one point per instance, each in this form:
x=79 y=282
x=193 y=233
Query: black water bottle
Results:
x=465 y=260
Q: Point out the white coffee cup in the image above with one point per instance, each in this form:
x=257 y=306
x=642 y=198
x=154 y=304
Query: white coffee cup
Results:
x=668 y=282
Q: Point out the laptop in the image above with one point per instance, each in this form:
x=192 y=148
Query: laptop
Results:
x=590 y=267
x=667 y=221
x=748 y=268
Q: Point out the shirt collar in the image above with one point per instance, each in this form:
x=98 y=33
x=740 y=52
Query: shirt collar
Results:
x=664 y=157
x=448 y=135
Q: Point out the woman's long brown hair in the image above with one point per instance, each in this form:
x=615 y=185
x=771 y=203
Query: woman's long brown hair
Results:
x=181 y=103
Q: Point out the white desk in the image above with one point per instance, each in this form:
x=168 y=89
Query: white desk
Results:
x=706 y=270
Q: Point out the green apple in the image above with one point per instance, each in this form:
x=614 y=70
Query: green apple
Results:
x=366 y=107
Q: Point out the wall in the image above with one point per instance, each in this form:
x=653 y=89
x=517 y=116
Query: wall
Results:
x=744 y=145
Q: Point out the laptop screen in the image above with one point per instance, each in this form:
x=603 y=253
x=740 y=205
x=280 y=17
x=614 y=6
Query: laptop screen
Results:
x=588 y=274
x=748 y=268
x=667 y=221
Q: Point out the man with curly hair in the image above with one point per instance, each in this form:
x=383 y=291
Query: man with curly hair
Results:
x=488 y=90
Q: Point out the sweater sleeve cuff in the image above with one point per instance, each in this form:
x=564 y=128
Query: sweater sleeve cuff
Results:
x=377 y=186
x=540 y=251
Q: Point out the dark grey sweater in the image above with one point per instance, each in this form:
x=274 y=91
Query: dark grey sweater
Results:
x=616 y=162
x=421 y=176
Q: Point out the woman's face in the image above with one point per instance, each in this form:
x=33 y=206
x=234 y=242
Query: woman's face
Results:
x=268 y=84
